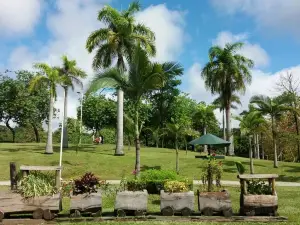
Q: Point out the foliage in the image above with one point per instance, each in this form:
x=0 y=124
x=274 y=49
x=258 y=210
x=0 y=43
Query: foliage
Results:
x=240 y=167
x=158 y=175
x=109 y=135
x=37 y=184
x=258 y=187
x=175 y=186
x=87 y=184
x=212 y=170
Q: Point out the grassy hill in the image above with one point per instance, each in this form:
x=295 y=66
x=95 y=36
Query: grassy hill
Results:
x=101 y=161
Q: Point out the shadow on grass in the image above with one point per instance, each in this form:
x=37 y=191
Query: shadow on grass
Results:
x=144 y=168
x=285 y=178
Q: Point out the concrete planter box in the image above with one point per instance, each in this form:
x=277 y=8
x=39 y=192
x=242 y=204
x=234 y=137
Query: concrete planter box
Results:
x=171 y=203
x=84 y=203
x=258 y=205
x=214 y=202
x=131 y=202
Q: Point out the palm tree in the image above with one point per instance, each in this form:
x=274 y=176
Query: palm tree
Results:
x=49 y=76
x=176 y=131
x=157 y=133
x=249 y=124
x=143 y=76
x=227 y=73
x=273 y=107
x=116 y=41
x=70 y=74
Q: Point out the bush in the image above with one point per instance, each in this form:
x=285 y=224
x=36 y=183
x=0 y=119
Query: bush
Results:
x=176 y=186
x=109 y=135
x=37 y=184
x=88 y=183
x=240 y=167
x=158 y=175
x=258 y=188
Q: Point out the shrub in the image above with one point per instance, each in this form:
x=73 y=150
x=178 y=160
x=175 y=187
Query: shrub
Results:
x=109 y=135
x=240 y=167
x=37 y=184
x=88 y=183
x=176 y=186
x=212 y=170
x=258 y=188
x=158 y=175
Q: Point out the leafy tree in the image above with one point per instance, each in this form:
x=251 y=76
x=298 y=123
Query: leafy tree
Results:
x=117 y=41
x=273 y=107
x=227 y=73
x=70 y=74
x=98 y=112
x=47 y=76
x=143 y=76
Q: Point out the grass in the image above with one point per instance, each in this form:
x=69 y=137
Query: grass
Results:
x=100 y=160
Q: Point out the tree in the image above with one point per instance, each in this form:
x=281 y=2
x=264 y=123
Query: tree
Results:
x=273 y=107
x=117 y=41
x=204 y=118
x=143 y=76
x=70 y=74
x=98 y=112
x=249 y=124
x=49 y=76
x=227 y=73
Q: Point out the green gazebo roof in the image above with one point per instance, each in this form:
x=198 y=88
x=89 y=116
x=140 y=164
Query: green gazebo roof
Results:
x=209 y=139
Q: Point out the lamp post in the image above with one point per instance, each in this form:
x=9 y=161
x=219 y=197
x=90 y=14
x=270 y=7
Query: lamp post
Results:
x=62 y=136
x=80 y=127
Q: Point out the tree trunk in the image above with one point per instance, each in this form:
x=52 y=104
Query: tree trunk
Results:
x=129 y=142
x=297 y=130
x=261 y=146
x=257 y=146
x=228 y=130
x=36 y=133
x=274 y=142
x=65 y=128
x=119 y=148
x=204 y=132
x=49 y=148
x=13 y=132
x=224 y=131
x=251 y=156
x=177 y=156
x=137 y=143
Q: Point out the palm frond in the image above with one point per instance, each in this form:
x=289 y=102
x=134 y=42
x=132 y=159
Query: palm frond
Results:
x=96 y=38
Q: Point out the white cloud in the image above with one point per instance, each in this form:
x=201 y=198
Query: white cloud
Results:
x=70 y=26
x=275 y=14
x=19 y=17
x=262 y=83
x=168 y=26
x=252 y=51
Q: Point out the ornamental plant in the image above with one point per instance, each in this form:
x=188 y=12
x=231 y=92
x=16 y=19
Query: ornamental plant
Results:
x=176 y=186
x=87 y=184
x=212 y=170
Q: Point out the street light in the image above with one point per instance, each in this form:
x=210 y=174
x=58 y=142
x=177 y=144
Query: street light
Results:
x=62 y=135
x=80 y=127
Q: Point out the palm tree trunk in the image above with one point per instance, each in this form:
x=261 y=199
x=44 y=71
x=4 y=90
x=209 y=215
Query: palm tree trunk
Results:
x=261 y=145
x=49 y=147
x=274 y=142
x=257 y=146
x=137 y=143
x=65 y=128
x=298 y=132
x=204 y=132
x=224 y=131
x=228 y=126
x=177 y=156
x=119 y=148
x=36 y=133
x=251 y=156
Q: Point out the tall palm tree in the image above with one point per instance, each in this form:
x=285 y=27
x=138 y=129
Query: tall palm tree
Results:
x=116 y=42
x=273 y=107
x=226 y=73
x=49 y=76
x=143 y=76
x=70 y=74
x=220 y=103
x=249 y=124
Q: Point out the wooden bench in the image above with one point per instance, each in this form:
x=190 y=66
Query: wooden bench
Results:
x=205 y=157
x=25 y=171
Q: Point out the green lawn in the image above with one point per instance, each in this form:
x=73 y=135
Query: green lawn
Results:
x=101 y=161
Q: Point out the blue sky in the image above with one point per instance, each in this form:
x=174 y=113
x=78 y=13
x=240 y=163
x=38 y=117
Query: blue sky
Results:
x=32 y=31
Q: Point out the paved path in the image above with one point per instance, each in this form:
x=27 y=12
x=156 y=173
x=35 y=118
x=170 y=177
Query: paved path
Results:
x=223 y=182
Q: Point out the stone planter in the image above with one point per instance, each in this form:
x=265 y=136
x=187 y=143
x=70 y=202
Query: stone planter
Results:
x=214 y=202
x=86 y=203
x=258 y=205
x=131 y=202
x=42 y=207
x=171 y=203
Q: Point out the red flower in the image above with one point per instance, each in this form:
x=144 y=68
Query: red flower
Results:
x=214 y=154
x=134 y=172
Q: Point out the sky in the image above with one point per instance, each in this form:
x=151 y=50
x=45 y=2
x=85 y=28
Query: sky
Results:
x=42 y=31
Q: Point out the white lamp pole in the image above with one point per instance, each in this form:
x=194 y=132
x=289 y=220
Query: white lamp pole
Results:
x=61 y=138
